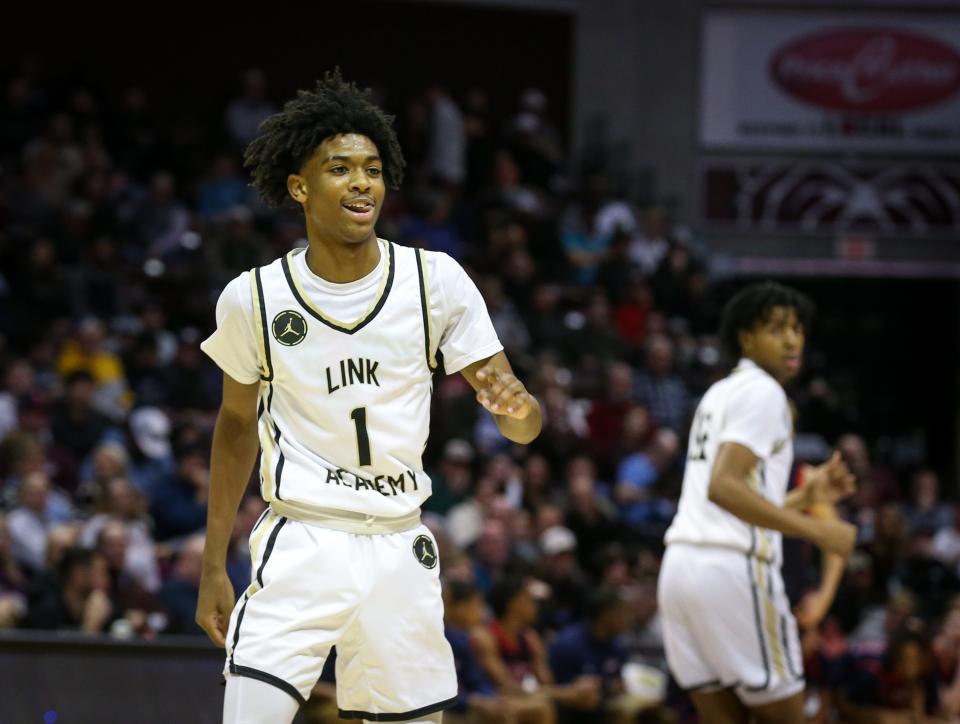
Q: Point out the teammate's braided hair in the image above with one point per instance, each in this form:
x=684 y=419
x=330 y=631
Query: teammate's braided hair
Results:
x=752 y=305
x=287 y=139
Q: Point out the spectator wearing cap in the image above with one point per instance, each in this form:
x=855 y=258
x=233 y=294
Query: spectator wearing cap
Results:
x=452 y=484
x=561 y=572
x=150 y=450
x=591 y=648
x=179 y=505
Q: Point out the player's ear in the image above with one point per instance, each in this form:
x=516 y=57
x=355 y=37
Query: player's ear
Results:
x=297 y=187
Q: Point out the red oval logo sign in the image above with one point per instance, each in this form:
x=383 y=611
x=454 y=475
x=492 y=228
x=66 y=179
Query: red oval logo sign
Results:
x=867 y=70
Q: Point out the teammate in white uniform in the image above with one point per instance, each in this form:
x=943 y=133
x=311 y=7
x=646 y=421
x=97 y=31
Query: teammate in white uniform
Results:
x=730 y=637
x=328 y=355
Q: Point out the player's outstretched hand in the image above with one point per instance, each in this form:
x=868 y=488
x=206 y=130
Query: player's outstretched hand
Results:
x=502 y=393
x=836 y=536
x=831 y=481
x=214 y=605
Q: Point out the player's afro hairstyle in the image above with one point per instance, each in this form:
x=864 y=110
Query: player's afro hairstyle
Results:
x=286 y=140
x=752 y=305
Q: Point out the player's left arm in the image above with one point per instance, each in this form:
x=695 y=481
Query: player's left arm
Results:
x=813 y=607
x=516 y=411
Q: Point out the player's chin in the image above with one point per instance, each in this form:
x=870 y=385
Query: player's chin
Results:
x=358 y=234
x=788 y=374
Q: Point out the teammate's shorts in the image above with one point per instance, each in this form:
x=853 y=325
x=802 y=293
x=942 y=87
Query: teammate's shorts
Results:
x=727 y=623
x=376 y=597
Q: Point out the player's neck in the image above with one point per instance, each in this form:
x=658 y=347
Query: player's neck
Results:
x=342 y=263
x=759 y=366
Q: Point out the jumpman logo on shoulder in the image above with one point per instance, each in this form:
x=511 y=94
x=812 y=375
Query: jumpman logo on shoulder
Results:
x=284 y=329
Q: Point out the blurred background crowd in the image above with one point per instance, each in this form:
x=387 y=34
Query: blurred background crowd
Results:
x=117 y=234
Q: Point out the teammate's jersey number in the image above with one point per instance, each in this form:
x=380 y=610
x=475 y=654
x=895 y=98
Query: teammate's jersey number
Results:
x=698 y=442
x=359 y=416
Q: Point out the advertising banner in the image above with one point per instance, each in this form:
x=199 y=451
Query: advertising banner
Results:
x=819 y=82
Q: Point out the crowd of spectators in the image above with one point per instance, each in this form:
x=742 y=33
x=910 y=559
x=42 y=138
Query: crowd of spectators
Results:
x=113 y=250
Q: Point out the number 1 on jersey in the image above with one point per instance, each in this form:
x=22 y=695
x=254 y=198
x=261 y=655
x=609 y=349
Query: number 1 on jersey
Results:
x=359 y=416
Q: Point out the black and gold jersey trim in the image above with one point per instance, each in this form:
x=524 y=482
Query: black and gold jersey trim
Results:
x=425 y=307
x=260 y=313
x=271 y=542
x=757 y=617
x=318 y=313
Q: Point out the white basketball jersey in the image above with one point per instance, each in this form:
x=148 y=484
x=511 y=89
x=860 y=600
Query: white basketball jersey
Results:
x=344 y=409
x=748 y=407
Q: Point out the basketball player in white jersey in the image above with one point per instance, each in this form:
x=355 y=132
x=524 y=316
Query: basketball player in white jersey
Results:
x=730 y=637
x=327 y=356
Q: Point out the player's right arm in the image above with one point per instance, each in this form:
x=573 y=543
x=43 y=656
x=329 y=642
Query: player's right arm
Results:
x=730 y=489
x=235 y=446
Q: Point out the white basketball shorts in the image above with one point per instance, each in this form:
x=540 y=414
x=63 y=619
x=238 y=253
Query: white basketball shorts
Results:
x=376 y=597
x=727 y=623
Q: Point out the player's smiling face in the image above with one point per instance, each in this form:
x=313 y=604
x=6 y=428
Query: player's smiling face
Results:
x=341 y=189
x=776 y=343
